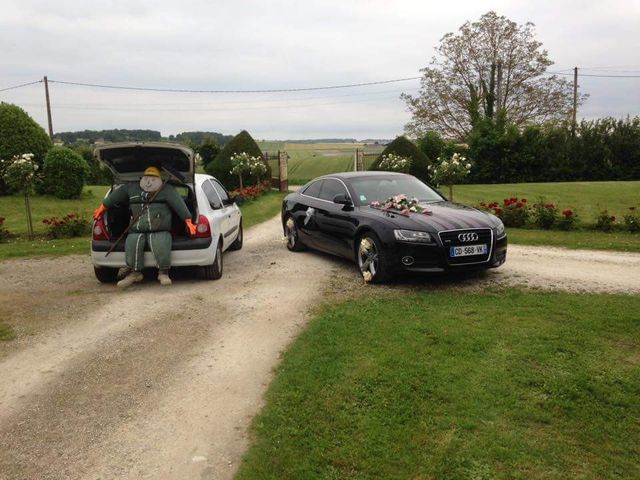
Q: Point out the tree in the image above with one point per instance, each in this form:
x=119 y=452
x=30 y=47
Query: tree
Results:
x=208 y=150
x=490 y=65
x=19 y=134
x=403 y=147
x=64 y=172
x=221 y=167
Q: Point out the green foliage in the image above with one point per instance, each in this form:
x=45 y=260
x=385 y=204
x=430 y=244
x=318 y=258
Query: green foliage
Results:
x=70 y=226
x=632 y=220
x=603 y=149
x=19 y=134
x=98 y=174
x=199 y=138
x=605 y=222
x=208 y=150
x=568 y=220
x=4 y=233
x=403 y=147
x=222 y=165
x=544 y=214
x=112 y=135
x=6 y=332
x=65 y=172
x=431 y=144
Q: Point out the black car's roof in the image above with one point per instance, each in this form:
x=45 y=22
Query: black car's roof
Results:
x=352 y=175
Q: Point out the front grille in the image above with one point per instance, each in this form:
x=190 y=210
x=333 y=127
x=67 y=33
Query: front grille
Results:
x=450 y=239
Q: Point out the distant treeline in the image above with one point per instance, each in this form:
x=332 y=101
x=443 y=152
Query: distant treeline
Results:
x=127 y=135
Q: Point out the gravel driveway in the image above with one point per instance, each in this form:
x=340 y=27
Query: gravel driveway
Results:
x=157 y=382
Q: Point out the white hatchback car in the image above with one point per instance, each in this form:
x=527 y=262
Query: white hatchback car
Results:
x=217 y=218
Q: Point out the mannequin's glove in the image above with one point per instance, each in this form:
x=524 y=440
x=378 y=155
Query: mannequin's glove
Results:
x=190 y=226
x=99 y=211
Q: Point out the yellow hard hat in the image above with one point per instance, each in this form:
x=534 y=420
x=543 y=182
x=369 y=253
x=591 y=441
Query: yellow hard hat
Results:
x=152 y=172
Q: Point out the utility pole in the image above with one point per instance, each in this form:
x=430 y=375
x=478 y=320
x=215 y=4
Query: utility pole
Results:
x=575 y=100
x=499 y=87
x=46 y=93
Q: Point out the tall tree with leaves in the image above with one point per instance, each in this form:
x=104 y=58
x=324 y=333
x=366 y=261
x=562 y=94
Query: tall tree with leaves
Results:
x=489 y=65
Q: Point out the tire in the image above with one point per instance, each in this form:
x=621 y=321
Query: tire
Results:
x=293 y=236
x=214 y=271
x=372 y=259
x=106 y=274
x=237 y=243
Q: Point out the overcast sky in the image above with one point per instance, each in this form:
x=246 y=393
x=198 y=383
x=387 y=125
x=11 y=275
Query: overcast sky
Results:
x=281 y=44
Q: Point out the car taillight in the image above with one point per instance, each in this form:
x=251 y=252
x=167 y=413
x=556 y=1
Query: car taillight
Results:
x=203 y=230
x=100 y=230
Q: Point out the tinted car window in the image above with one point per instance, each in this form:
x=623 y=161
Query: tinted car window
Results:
x=331 y=188
x=221 y=191
x=211 y=194
x=313 y=190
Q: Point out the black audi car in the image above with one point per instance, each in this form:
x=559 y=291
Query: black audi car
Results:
x=390 y=223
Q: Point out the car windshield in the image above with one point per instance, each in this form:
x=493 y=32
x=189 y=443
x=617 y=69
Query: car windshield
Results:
x=379 y=189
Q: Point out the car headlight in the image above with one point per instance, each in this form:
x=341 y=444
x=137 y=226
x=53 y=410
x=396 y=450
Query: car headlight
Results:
x=412 y=236
x=500 y=229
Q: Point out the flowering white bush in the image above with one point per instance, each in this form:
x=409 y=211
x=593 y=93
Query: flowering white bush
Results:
x=395 y=163
x=449 y=172
x=245 y=163
x=20 y=172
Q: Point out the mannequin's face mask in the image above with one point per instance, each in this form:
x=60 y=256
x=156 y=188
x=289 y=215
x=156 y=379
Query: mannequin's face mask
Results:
x=150 y=183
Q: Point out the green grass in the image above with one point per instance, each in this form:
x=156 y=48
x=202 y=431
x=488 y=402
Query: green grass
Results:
x=577 y=239
x=12 y=208
x=6 y=332
x=588 y=198
x=262 y=209
x=502 y=384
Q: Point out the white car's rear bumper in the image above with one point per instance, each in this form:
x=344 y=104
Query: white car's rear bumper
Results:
x=179 y=258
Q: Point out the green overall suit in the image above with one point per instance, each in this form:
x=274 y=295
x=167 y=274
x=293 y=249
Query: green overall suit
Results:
x=154 y=224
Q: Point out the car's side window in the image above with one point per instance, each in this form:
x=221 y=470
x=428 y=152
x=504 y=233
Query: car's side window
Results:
x=222 y=193
x=330 y=188
x=212 y=196
x=313 y=190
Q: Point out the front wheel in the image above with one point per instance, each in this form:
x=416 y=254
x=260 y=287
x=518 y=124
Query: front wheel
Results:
x=371 y=259
x=106 y=274
x=293 y=236
x=214 y=271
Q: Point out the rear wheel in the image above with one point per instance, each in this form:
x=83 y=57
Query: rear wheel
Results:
x=237 y=243
x=106 y=274
x=214 y=271
x=291 y=233
x=371 y=259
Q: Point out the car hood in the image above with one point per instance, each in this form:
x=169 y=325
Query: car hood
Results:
x=128 y=161
x=445 y=216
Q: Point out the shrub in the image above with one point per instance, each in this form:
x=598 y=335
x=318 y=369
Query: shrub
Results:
x=241 y=195
x=605 y=222
x=64 y=173
x=513 y=212
x=98 y=173
x=4 y=233
x=19 y=133
x=71 y=225
x=221 y=166
x=632 y=220
x=208 y=150
x=243 y=164
x=432 y=145
x=405 y=148
x=395 y=163
x=544 y=214
x=568 y=220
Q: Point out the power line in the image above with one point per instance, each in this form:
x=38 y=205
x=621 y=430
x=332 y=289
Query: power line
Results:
x=274 y=90
x=20 y=86
x=593 y=75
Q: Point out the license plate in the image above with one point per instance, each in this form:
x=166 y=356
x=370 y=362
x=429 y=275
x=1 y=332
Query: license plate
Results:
x=468 y=250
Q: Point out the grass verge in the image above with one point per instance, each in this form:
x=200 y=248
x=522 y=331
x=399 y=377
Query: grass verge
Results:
x=264 y=208
x=6 y=332
x=497 y=384
x=577 y=239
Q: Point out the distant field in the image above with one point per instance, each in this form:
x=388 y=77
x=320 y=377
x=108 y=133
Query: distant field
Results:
x=307 y=161
x=588 y=198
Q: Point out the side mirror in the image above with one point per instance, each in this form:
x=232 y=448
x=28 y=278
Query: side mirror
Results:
x=343 y=199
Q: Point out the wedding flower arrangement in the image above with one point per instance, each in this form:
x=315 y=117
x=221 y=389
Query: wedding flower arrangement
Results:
x=401 y=204
x=395 y=163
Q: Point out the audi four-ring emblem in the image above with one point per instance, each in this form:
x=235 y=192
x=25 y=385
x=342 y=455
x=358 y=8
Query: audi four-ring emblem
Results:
x=468 y=237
